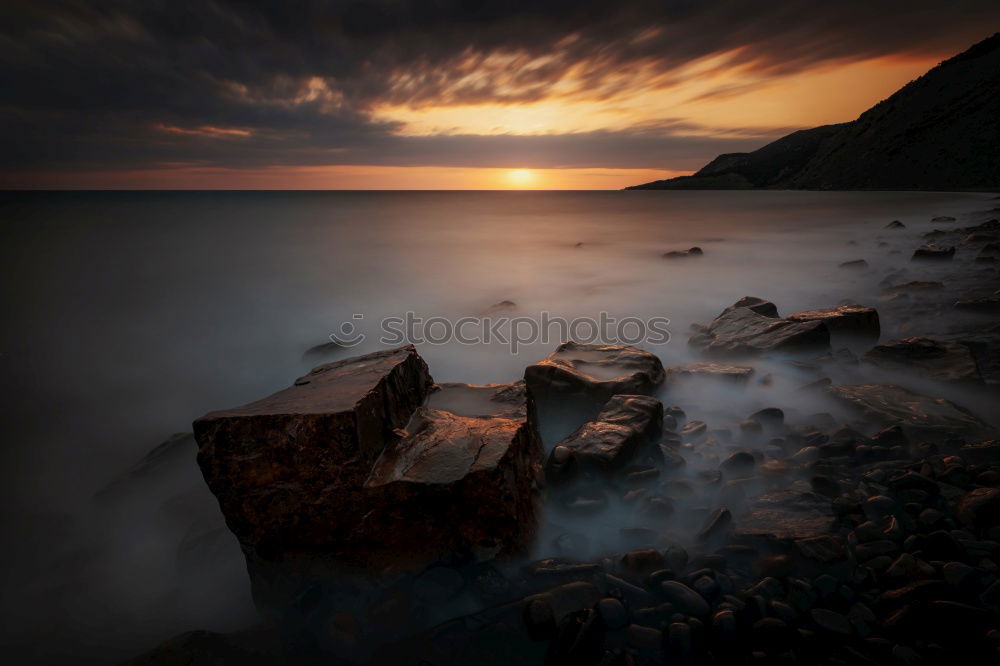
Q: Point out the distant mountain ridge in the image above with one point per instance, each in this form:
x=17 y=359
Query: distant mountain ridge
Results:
x=939 y=132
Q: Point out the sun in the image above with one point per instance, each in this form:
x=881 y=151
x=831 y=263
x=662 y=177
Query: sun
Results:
x=521 y=177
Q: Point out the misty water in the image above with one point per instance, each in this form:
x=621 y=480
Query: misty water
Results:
x=127 y=315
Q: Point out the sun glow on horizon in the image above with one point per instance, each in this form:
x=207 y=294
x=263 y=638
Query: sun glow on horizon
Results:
x=521 y=177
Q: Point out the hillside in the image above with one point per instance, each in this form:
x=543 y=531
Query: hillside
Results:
x=939 y=132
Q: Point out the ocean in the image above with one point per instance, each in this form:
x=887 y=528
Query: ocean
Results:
x=128 y=314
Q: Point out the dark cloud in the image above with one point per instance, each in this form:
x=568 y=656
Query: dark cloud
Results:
x=121 y=84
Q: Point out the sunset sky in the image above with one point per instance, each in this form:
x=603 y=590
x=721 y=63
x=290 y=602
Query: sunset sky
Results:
x=439 y=94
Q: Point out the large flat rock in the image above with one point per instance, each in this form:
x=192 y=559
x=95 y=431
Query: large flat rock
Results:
x=846 y=321
x=944 y=360
x=741 y=330
x=889 y=404
x=596 y=371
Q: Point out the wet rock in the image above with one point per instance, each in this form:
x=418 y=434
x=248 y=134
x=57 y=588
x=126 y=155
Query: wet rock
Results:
x=716 y=526
x=855 y=321
x=681 y=254
x=831 y=621
x=613 y=613
x=988 y=304
x=769 y=417
x=643 y=561
x=693 y=430
x=854 y=263
x=539 y=619
x=684 y=599
x=890 y=404
x=474 y=474
x=741 y=330
x=286 y=468
x=942 y=360
x=980 y=508
x=627 y=424
x=931 y=252
x=594 y=371
x=733 y=373
x=738 y=463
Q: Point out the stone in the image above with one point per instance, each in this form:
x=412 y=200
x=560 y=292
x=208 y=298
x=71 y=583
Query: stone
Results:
x=286 y=467
x=643 y=561
x=855 y=321
x=742 y=330
x=684 y=599
x=916 y=285
x=931 y=252
x=732 y=373
x=681 y=254
x=831 y=621
x=979 y=508
x=769 y=417
x=627 y=424
x=716 y=526
x=943 y=218
x=693 y=430
x=895 y=224
x=941 y=360
x=596 y=371
x=738 y=463
x=988 y=304
x=539 y=619
x=854 y=263
x=888 y=404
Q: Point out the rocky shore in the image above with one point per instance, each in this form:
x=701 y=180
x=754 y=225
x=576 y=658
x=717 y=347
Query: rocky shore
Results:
x=389 y=519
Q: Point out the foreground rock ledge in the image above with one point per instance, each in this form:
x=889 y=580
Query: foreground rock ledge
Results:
x=349 y=465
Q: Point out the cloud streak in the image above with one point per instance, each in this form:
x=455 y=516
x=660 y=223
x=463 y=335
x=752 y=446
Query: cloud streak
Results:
x=134 y=84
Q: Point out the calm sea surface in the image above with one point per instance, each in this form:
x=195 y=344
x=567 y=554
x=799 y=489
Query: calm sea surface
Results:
x=126 y=315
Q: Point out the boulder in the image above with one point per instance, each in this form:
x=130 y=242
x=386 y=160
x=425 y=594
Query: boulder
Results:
x=595 y=371
x=453 y=484
x=347 y=466
x=855 y=321
x=627 y=424
x=931 y=252
x=989 y=252
x=980 y=508
x=888 y=404
x=732 y=373
x=503 y=400
x=942 y=360
x=751 y=327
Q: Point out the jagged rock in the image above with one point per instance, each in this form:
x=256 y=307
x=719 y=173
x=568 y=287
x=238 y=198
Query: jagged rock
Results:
x=742 y=330
x=595 y=371
x=846 y=320
x=888 y=404
x=734 y=373
x=627 y=424
x=326 y=468
x=931 y=252
x=942 y=360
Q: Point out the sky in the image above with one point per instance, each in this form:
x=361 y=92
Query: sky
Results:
x=439 y=94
